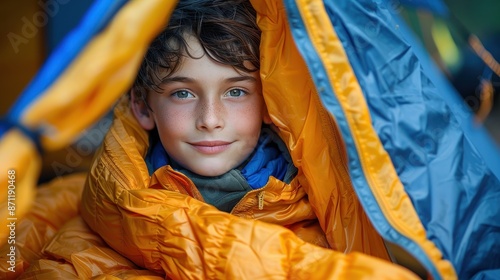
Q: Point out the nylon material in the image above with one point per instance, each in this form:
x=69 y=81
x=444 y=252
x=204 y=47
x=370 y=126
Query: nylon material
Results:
x=126 y=136
x=49 y=269
x=158 y=227
x=142 y=233
x=104 y=214
x=110 y=73
x=183 y=230
x=417 y=232
x=136 y=243
x=445 y=176
x=481 y=222
x=488 y=274
x=280 y=109
x=138 y=141
x=243 y=256
x=341 y=202
x=336 y=84
x=317 y=168
x=64 y=126
x=271 y=24
x=55 y=203
x=330 y=207
x=430 y=136
x=74 y=236
x=310 y=232
x=350 y=205
x=478 y=136
x=326 y=39
x=377 y=167
x=319 y=77
x=284 y=81
x=131 y=274
x=173 y=180
x=484 y=223
x=106 y=260
x=283 y=204
x=26 y=163
x=111 y=194
x=427 y=153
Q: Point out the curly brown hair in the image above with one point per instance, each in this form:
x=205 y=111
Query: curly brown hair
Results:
x=226 y=29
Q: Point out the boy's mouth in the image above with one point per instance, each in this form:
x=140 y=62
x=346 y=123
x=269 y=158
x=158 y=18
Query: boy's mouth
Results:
x=210 y=147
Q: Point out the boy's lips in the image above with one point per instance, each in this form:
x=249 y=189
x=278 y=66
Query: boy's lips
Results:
x=210 y=147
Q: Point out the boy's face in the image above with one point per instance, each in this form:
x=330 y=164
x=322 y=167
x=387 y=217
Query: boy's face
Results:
x=209 y=115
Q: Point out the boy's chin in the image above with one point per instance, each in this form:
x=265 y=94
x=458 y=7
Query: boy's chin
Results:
x=207 y=166
x=212 y=174
x=212 y=170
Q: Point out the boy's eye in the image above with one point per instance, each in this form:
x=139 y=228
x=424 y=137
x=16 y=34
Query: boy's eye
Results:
x=182 y=94
x=236 y=92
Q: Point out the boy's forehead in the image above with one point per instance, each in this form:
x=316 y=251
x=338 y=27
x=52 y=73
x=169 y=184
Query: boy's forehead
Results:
x=193 y=46
x=199 y=69
x=194 y=50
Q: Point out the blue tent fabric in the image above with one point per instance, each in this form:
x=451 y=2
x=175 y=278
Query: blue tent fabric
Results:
x=449 y=167
x=467 y=175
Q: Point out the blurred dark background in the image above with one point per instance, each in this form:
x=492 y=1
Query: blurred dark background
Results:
x=444 y=28
x=31 y=29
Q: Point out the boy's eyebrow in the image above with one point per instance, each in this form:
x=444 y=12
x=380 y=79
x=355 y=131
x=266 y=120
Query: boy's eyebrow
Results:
x=167 y=80
x=182 y=79
x=241 y=78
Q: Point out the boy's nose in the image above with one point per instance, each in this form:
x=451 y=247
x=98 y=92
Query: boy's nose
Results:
x=211 y=115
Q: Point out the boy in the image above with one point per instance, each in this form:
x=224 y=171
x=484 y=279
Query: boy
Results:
x=199 y=91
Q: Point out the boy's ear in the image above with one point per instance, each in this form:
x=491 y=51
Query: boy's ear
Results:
x=266 y=118
x=141 y=111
